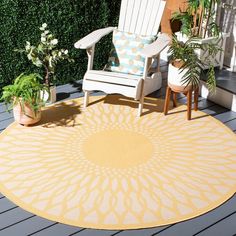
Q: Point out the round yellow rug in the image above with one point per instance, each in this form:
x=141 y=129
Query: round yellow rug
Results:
x=105 y=168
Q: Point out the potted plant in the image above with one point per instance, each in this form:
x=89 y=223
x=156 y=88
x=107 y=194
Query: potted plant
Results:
x=199 y=20
x=25 y=97
x=185 y=66
x=46 y=55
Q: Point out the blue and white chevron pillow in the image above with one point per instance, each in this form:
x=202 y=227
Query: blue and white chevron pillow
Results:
x=125 y=57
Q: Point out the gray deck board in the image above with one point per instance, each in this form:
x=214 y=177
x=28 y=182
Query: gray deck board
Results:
x=225 y=227
x=12 y=217
x=5 y=122
x=2 y=107
x=231 y=124
x=215 y=110
x=5 y=205
x=197 y=224
x=6 y=118
x=220 y=221
x=142 y=232
x=26 y=227
x=226 y=116
x=5 y=114
x=58 y=230
x=94 y=232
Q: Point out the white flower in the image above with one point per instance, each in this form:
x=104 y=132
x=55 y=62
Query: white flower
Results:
x=27 y=47
x=46 y=32
x=43 y=27
x=54 y=41
x=37 y=62
x=66 y=51
x=43 y=39
x=29 y=57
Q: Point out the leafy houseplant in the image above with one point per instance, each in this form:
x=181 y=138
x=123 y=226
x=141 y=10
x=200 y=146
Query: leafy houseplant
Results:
x=25 y=97
x=199 y=18
x=46 y=55
x=188 y=65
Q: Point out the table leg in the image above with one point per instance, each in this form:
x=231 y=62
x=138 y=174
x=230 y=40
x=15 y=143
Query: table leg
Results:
x=167 y=100
x=196 y=93
x=189 y=104
x=174 y=99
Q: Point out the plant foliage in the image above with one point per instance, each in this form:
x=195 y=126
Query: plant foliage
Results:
x=186 y=52
x=199 y=18
x=26 y=89
x=198 y=21
x=68 y=20
x=46 y=55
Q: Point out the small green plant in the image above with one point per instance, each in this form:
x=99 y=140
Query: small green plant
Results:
x=26 y=90
x=183 y=55
x=199 y=18
x=46 y=54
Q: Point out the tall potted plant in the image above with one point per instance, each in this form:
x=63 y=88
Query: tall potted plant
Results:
x=25 y=97
x=199 y=20
x=185 y=68
x=46 y=55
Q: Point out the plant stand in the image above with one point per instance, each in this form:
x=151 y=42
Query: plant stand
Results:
x=188 y=93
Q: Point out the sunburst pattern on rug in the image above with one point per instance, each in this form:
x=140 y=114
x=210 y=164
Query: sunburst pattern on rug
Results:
x=105 y=168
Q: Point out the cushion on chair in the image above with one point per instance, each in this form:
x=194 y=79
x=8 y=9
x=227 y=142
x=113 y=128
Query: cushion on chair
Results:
x=125 y=57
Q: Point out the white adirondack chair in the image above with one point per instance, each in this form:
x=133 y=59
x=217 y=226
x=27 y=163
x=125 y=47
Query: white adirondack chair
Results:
x=141 y=17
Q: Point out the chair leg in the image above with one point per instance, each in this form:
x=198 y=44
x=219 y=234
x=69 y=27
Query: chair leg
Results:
x=167 y=100
x=86 y=98
x=189 y=104
x=140 y=106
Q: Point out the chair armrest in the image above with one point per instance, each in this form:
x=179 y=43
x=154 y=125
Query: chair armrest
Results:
x=92 y=38
x=153 y=49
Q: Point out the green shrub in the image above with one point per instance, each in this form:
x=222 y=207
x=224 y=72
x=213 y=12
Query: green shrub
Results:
x=70 y=20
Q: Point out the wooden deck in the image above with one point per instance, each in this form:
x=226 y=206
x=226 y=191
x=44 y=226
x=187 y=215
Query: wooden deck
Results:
x=221 y=221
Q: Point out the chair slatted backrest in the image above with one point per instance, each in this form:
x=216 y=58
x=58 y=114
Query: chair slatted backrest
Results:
x=141 y=17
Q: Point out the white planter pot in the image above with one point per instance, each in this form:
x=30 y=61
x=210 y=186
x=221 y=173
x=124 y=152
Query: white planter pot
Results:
x=218 y=60
x=174 y=79
x=50 y=97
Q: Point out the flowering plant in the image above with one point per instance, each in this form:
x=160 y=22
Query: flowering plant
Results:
x=45 y=54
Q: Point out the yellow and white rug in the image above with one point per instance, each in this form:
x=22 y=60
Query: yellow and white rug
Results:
x=105 y=168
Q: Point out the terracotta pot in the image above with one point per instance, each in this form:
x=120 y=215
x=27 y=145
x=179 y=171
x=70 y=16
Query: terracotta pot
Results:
x=28 y=117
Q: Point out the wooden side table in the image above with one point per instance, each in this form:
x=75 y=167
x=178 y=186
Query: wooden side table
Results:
x=188 y=93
